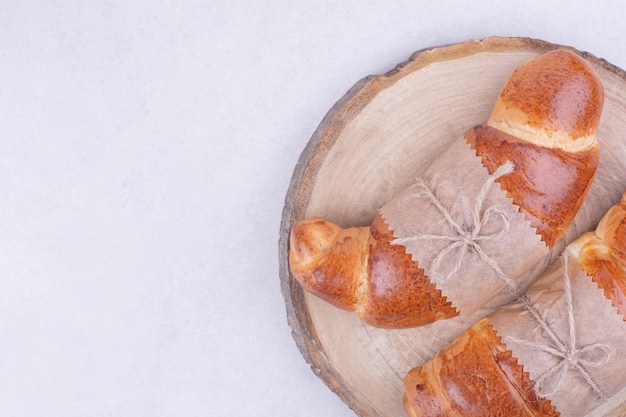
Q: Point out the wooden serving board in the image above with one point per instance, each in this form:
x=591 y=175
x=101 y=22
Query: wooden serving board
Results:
x=373 y=143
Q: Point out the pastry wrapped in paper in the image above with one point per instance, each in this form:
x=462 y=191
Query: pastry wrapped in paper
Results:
x=560 y=349
x=443 y=247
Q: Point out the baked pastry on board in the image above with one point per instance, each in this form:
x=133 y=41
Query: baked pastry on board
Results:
x=441 y=247
x=371 y=145
x=560 y=350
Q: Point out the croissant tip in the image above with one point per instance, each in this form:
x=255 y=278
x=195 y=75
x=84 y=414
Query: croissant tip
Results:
x=310 y=238
x=554 y=100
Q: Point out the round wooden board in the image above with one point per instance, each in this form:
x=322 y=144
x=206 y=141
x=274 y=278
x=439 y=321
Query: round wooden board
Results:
x=373 y=143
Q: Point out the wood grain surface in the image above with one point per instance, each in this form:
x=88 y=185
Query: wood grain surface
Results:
x=373 y=143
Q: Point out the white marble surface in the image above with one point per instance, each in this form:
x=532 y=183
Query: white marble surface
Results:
x=145 y=152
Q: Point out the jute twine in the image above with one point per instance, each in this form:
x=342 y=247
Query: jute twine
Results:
x=466 y=238
x=569 y=355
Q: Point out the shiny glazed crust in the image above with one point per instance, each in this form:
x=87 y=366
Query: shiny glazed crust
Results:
x=602 y=254
x=399 y=294
x=554 y=100
x=549 y=185
x=475 y=376
x=329 y=261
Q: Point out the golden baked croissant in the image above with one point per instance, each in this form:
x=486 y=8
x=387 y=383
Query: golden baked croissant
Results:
x=569 y=332
x=544 y=122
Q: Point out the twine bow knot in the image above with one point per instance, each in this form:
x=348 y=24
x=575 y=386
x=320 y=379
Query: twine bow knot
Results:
x=570 y=356
x=467 y=238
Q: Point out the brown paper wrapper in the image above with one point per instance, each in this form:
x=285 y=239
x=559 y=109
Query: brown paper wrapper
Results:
x=506 y=254
x=576 y=361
